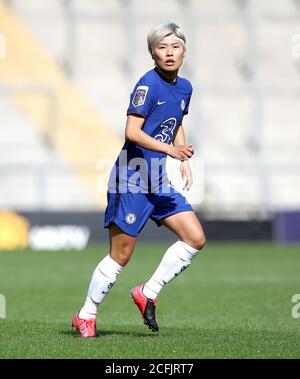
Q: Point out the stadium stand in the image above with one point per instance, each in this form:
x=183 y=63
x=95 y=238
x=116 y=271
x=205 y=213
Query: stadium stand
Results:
x=242 y=60
x=27 y=165
x=72 y=125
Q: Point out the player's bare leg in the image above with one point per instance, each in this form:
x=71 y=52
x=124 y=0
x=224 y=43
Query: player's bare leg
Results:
x=187 y=227
x=104 y=277
x=121 y=245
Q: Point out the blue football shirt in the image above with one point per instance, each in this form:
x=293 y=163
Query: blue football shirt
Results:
x=162 y=104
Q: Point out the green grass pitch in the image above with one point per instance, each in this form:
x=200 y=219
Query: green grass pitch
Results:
x=234 y=301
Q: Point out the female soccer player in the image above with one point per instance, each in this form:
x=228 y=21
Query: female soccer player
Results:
x=139 y=188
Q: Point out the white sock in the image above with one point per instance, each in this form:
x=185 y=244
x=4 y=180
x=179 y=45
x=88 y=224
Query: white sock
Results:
x=103 y=279
x=176 y=259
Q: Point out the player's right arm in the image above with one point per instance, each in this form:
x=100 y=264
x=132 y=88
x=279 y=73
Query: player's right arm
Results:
x=135 y=134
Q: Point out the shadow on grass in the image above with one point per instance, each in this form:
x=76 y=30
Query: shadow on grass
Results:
x=102 y=333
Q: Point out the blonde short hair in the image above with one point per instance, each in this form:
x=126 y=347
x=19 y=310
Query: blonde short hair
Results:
x=161 y=31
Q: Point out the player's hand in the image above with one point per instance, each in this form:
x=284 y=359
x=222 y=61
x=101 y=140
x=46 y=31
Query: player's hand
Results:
x=186 y=175
x=181 y=152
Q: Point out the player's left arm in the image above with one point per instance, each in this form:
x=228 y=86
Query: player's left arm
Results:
x=185 y=170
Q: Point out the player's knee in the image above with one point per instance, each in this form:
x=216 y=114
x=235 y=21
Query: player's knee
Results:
x=202 y=241
x=122 y=256
x=122 y=259
x=197 y=241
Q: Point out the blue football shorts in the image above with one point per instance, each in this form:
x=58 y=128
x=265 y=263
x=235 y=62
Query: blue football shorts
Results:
x=130 y=211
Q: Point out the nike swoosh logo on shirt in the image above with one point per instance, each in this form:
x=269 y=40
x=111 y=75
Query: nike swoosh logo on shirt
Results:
x=160 y=102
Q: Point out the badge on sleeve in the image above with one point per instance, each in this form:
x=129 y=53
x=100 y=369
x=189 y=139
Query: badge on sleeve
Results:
x=140 y=96
x=182 y=105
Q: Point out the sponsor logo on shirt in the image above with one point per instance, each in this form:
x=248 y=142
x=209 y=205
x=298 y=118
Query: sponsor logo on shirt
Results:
x=168 y=127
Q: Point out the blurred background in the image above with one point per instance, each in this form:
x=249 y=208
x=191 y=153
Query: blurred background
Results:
x=67 y=68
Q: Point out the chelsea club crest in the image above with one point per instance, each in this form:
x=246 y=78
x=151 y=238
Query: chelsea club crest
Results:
x=130 y=218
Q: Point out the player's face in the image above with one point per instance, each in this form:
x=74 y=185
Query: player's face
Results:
x=169 y=53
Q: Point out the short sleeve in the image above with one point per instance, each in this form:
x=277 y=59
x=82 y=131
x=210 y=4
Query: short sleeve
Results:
x=142 y=99
x=187 y=105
